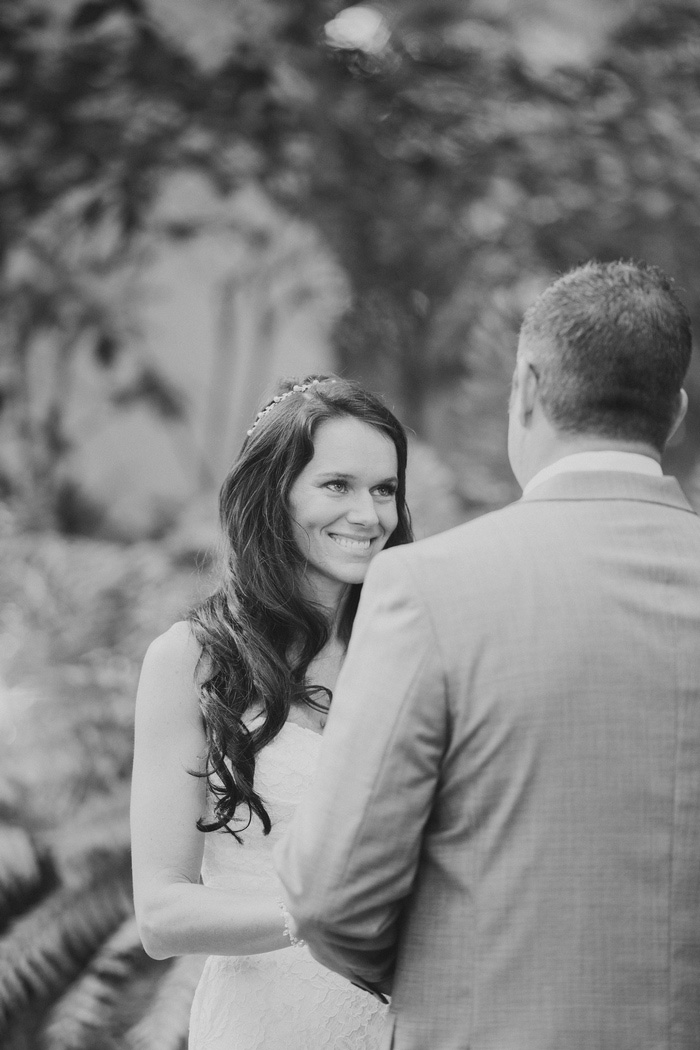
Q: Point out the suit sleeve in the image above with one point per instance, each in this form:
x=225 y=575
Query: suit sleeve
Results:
x=349 y=860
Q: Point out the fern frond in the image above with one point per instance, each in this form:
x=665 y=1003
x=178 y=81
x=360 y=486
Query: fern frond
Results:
x=164 y=1025
x=86 y=1009
x=44 y=951
x=26 y=872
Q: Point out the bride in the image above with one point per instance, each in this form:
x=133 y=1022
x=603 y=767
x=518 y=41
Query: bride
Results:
x=230 y=708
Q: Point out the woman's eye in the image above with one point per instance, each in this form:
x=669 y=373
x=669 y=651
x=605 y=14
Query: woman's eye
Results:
x=338 y=485
x=388 y=491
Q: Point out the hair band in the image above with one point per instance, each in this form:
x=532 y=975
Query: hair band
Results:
x=298 y=388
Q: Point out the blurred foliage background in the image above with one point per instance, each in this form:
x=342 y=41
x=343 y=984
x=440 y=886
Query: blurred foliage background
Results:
x=197 y=196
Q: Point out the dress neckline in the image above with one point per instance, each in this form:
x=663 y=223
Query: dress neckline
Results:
x=304 y=729
x=289 y=722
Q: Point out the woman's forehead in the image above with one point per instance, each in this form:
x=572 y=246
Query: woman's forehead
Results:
x=354 y=443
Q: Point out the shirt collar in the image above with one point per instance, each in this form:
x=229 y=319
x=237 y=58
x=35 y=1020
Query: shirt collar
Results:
x=627 y=462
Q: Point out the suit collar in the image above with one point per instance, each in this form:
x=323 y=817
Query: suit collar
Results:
x=594 y=460
x=610 y=485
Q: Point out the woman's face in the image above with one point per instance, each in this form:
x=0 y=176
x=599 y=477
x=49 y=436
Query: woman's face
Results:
x=343 y=504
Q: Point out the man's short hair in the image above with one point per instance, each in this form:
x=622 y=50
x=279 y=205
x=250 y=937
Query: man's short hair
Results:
x=611 y=345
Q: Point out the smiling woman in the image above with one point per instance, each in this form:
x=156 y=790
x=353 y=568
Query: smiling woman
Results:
x=343 y=505
x=230 y=707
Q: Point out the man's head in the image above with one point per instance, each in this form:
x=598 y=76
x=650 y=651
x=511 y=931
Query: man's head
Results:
x=601 y=361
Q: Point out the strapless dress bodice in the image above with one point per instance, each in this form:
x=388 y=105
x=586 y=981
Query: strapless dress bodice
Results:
x=283 y=770
x=281 y=1000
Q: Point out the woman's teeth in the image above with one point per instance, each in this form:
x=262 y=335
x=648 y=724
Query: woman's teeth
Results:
x=355 y=545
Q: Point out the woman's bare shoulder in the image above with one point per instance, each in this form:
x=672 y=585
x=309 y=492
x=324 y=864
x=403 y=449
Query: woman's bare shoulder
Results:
x=167 y=700
x=173 y=659
x=177 y=644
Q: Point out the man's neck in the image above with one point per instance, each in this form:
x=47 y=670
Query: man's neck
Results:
x=574 y=444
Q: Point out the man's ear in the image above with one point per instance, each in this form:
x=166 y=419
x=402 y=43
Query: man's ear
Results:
x=525 y=382
x=680 y=413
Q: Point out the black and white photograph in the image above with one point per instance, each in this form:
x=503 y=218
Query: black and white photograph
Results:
x=349 y=525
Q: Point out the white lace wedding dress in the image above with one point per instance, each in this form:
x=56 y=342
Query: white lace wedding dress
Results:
x=281 y=1000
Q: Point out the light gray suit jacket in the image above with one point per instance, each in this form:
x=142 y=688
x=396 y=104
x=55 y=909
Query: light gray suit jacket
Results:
x=505 y=824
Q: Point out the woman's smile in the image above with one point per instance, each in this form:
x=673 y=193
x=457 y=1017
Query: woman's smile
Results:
x=343 y=504
x=356 y=544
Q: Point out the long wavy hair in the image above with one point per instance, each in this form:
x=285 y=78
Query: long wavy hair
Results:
x=259 y=630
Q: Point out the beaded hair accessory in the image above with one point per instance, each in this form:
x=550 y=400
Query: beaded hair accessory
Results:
x=298 y=388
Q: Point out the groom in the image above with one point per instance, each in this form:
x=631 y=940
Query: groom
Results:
x=504 y=831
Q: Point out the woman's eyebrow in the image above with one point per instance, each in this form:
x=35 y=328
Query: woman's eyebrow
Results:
x=341 y=475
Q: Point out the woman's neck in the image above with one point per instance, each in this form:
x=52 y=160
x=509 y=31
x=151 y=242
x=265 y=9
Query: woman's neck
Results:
x=332 y=604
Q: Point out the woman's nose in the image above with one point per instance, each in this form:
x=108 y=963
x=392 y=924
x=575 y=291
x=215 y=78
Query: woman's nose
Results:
x=363 y=511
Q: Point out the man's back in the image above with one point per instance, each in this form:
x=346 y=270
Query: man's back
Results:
x=557 y=898
x=504 y=829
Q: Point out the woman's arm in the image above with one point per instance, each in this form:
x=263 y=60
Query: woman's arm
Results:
x=176 y=915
